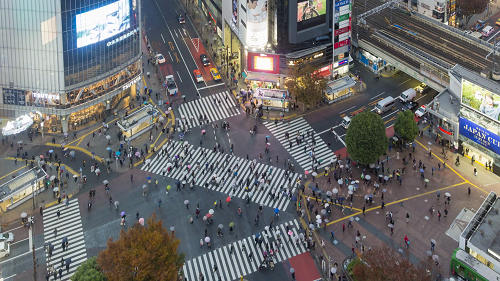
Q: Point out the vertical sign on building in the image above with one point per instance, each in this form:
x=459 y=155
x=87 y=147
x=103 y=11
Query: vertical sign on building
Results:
x=342 y=29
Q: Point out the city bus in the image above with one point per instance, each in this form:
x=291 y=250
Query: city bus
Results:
x=469 y=268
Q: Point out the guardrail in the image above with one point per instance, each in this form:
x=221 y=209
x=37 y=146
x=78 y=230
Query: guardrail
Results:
x=344 y=265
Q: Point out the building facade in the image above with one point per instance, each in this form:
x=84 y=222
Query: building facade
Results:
x=71 y=62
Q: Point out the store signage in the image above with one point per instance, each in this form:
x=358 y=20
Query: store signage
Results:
x=129 y=84
x=123 y=37
x=480 y=135
x=318 y=55
x=14 y=96
x=263 y=63
x=341 y=56
x=38 y=95
x=342 y=30
x=343 y=17
x=445 y=131
x=342 y=62
x=342 y=3
x=341 y=44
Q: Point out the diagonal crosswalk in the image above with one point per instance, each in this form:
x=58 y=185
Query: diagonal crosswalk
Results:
x=303 y=157
x=202 y=159
x=68 y=225
x=231 y=266
x=214 y=107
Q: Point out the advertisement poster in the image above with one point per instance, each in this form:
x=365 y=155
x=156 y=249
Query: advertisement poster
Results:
x=481 y=100
x=257 y=23
x=235 y=12
x=263 y=63
x=310 y=9
x=480 y=135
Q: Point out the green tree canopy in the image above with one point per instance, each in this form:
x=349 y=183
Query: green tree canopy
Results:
x=306 y=84
x=142 y=253
x=365 y=139
x=468 y=8
x=88 y=271
x=406 y=126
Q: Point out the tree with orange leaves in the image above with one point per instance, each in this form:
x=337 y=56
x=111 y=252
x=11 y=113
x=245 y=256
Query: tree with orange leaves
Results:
x=142 y=253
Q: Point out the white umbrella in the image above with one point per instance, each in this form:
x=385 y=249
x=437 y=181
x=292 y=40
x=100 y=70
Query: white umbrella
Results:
x=323 y=212
x=172 y=228
x=148 y=160
x=318 y=217
x=108 y=137
x=368 y=177
x=318 y=221
x=169 y=165
x=329 y=193
x=207 y=239
x=162 y=118
x=23 y=215
x=56 y=189
x=390 y=225
x=314 y=174
x=327 y=205
x=53 y=177
x=186 y=143
x=20 y=141
x=186 y=202
x=335 y=191
x=333 y=270
x=105 y=182
x=350 y=192
x=211 y=211
x=97 y=171
x=75 y=176
x=350 y=187
x=447 y=194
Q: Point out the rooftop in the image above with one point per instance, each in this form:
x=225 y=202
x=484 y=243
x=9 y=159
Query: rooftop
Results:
x=488 y=232
x=20 y=183
x=449 y=104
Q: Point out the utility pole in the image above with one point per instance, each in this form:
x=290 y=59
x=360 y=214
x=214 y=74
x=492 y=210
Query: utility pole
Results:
x=34 y=260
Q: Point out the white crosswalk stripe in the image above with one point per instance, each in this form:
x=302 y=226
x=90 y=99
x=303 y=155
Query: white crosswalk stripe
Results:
x=233 y=266
x=221 y=162
x=69 y=225
x=321 y=150
x=215 y=107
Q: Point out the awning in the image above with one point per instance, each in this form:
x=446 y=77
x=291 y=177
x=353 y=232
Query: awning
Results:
x=262 y=76
x=339 y=85
x=325 y=73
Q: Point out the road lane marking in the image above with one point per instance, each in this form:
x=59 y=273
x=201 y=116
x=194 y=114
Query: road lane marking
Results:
x=171 y=46
x=377 y=95
x=493 y=36
x=179 y=76
x=163 y=38
x=420 y=97
x=404 y=82
x=327 y=130
x=347 y=109
x=216 y=85
x=175 y=54
x=176 y=33
x=390 y=114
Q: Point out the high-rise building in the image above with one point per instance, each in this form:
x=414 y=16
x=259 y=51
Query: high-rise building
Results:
x=68 y=63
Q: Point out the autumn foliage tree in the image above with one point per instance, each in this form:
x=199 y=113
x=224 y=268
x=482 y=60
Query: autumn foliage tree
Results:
x=306 y=84
x=142 y=253
x=383 y=263
x=468 y=8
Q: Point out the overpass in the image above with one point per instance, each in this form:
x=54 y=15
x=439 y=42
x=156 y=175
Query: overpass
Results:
x=421 y=47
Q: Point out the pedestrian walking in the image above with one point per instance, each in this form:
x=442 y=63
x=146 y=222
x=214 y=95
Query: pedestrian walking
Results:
x=41 y=211
x=343 y=227
x=58 y=214
x=432 y=245
x=407 y=217
x=116 y=205
x=439 y=215
x=468 y=190
x=333 y=235
x=364 y=207
x=137 y=215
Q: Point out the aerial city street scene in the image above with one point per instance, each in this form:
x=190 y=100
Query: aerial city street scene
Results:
x=222 y=140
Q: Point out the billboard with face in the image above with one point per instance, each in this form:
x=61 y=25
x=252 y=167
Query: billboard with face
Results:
x=481 y=100
x=257 y=23
x=310 y=9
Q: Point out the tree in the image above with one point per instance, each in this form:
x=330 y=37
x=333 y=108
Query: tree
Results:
x=365 y=139
x=88 y=271
x=383 y=263
x=142 y=253
x=306 y=84
x=406 y=126
x=468 y=8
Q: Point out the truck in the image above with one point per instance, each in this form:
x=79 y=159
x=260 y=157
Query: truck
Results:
x=171 y=85
x=408 y=95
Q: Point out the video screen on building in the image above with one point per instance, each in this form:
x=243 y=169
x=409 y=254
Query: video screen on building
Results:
x=310 y=9
x=481 y=100
x=263 y=63
x=102 y=23
x=235 y=12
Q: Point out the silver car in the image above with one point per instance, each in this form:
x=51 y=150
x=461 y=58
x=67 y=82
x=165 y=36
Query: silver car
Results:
x=7 y=237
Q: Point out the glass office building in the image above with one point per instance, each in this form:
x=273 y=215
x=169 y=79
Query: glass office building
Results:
x=71 y=62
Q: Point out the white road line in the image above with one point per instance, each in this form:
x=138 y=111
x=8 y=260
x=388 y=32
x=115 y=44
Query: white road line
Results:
x=179 y=75
x=390 y=114
x=493 y=36
x=403 y=82
x=347 y=109
x=421 y=97
x=163 y=38
x=175 y=31
x=211 y=86
x=377 y=95
x=19 y=241
x=339 y=138
x=328 y=130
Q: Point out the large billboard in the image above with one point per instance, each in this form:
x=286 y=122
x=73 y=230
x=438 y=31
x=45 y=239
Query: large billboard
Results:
x=310 y=9
x=480 y=135
x=257 y=23
x=481 y=100
x=263 y=63
x=102 y=23
x=235 y=12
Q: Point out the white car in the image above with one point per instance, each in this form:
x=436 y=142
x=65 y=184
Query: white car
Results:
x=7 y=237
x=160 y=58
x=4 y=249
x=420 y=111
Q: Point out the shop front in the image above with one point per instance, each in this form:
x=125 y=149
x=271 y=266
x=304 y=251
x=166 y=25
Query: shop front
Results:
x=339 y=89
x=22 y=188
x=272 y=99
x=263 y=71
x=138 y=122
x=373 y=62
x=233 y=51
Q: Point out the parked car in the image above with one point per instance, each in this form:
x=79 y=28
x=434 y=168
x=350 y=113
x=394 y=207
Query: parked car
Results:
x=411 y=106
x=181 y=19
x=4 y=249
x=7 y=237
x=421 y=111
x=197 y=76
x=160 y=59
x=204 y=60
x=215 y=74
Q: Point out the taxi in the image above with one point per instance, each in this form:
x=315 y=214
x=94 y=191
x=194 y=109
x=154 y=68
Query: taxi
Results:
x=215 y=74
x=160 y=58
x=197 y=76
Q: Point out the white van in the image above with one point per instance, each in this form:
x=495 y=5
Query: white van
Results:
x=384 y=105
x=487 y=31
x=408 y=95
x=346 y=121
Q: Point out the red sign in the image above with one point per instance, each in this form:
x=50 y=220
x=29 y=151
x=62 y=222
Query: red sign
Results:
x=349 y=22
x=342 y=30
x=444 y=131
x=341 y=44
x=263 y=63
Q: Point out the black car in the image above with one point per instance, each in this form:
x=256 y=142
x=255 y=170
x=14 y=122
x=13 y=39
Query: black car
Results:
x=181 y=19
x=204 y=60
x=412 y=105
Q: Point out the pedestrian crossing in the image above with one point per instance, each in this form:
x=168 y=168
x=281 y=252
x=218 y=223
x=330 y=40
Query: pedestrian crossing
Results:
x=68 y=225
x=202 y=159
x=231 y=266
x=303 y=157
x=215 y=107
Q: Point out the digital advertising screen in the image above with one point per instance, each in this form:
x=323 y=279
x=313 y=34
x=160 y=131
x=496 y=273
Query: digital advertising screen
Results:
x=257 y=23
x=310 y=9
x=102 y=23
x=235 y=12
x=483 y=101
x=263 y=63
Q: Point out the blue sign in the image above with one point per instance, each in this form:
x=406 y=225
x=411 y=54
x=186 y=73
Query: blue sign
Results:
x=342 y=62
x=342 y=3
x=480 y=135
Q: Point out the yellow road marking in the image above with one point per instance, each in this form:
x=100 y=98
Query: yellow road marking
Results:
x=171 y=45
x=16 y=170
